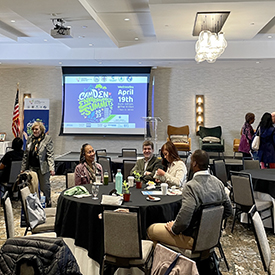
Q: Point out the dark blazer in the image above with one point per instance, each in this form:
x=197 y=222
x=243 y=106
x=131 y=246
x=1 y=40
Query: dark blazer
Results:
x=153 y=165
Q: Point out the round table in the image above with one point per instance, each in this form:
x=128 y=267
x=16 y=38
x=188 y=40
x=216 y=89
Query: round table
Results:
x=77 y=218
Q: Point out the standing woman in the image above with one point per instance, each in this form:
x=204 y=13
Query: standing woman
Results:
x=85 y=172
x=266 y=153
x=39 y=157
x=175 y=171
x=247 y=135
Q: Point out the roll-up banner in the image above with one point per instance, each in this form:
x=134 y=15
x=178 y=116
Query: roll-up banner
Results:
x=35 y=109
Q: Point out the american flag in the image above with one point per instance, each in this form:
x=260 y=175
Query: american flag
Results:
x=15 y=117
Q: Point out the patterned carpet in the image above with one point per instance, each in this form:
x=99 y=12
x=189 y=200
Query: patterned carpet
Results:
x=240 y=247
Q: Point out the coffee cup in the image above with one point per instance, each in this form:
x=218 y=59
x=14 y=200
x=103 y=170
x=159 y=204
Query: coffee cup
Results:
x=131 y=181
x=164 y=188
x=173 y=188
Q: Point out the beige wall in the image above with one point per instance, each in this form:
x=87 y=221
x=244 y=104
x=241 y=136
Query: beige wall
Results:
x=231 y=89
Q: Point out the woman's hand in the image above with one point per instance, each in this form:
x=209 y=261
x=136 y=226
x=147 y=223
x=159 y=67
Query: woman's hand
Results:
x=52 y=173
x=169 y=225
x=160 y=172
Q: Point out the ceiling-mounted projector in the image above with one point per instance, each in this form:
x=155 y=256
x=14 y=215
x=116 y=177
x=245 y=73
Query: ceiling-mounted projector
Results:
x=60 y=31
x=64 y=33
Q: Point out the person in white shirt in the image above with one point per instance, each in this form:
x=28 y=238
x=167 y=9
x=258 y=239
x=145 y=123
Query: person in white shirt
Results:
x=174 y=172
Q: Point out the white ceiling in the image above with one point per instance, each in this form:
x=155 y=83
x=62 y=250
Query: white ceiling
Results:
x=158 y=32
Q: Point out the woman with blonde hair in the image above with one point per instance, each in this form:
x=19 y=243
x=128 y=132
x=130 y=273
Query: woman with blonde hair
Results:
x=174 y=172
x=39 y=157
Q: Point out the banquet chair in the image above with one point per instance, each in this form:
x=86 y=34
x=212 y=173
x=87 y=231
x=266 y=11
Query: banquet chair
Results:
x=128 y=153
x=220 y=172
x=106 y=164
x=249 y=163
x=8 y=214
x=70 y=181
x=207 y=236
x=101 y=152
x=164 y=256
x=123 y=246
x=210 y=139
x=14 y=172
x=236 y=144
x=243 y=197
x=261 y=239
x=127 y=167
x=180 y=137
x=50 y=216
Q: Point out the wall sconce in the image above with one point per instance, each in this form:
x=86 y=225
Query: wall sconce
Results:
x=199 y=112
x=27 y=96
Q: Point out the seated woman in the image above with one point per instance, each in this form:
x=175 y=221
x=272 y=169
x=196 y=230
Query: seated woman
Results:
x=85 y=172
x=175 y=171
x=15 y=155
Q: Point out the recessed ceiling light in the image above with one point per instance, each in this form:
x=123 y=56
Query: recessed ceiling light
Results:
x=45 y=40
x=81 y=36
x=126 y=19
x=60 y=63
x=84 y=27
x=252 y=24
x=91 y=45
x=139 y=63
x=12 y=21
x=166 y=26
x=257 y=62
x=100 y=62
x=269 y=37
x=136 y=38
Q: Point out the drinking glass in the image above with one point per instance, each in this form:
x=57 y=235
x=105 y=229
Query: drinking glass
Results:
x=95 y=190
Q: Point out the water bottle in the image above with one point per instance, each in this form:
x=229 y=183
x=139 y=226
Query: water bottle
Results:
x=119 y=181
x=43 y=201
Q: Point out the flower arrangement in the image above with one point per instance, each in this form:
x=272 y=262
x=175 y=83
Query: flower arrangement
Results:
x=137 y=176
x=126 y=187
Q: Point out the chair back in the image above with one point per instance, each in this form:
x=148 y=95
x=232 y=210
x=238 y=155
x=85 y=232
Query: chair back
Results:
x=220 y=170
x=24 y=192
x=261 y=238
x=251 y=164
x=172 y=130
x=8 y=213
x=242 y=189
x=129 y=153
x=213 y=132
x=101 y=152
x=209 y=230
x=70 y=180
x=127 y=167
x=15 y=170
x=8 y=149
x=105 y=162
x=122 y=237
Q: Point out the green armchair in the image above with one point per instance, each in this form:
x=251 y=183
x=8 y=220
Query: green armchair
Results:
x=210 y=139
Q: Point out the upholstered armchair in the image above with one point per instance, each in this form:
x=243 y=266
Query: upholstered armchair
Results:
x=180 y=137
x=211 y=140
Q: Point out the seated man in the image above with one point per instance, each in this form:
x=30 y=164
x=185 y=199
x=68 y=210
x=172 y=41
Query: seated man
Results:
x=148 y=165
x=203 y=188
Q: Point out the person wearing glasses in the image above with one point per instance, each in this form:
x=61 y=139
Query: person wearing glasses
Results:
x=39 y=157
x=175 y=171
x=148 y=165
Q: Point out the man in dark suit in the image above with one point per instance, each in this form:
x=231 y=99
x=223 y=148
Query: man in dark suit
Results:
x=148 y=165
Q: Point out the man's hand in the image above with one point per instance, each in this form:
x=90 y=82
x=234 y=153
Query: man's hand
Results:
x=147 y=173
x=160 y=172
x=169 y=225
x=52 y=173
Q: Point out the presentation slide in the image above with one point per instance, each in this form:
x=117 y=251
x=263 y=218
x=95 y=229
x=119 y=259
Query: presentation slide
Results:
x=105 y=104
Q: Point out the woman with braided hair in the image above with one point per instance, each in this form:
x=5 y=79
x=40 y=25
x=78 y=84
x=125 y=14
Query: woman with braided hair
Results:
x=85 y=172
x=39 y=157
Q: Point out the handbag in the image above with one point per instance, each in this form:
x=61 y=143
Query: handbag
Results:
x=256 y=142
x=36 y=212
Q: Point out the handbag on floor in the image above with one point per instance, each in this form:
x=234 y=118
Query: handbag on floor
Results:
x=35 y=210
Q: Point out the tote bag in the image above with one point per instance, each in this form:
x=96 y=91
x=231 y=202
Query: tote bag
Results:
x=35 y=210
x=256 y=142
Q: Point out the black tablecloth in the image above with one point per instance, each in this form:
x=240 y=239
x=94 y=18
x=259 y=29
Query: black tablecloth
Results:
x=78 y=218
x=263 y=180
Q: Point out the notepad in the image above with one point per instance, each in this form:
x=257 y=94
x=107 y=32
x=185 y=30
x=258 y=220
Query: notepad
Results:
x=146 y=193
